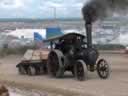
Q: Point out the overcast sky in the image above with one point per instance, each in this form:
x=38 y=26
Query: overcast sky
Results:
x=40 y=8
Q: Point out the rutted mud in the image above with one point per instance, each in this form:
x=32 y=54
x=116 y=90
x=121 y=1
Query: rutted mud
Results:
x=116 y=85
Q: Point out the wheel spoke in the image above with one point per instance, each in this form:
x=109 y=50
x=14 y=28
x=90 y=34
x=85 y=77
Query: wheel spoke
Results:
x=103 y=69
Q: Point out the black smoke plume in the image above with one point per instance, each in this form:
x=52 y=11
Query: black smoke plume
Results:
x=98 y=9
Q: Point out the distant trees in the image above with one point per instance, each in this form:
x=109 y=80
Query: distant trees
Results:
x=109 y=46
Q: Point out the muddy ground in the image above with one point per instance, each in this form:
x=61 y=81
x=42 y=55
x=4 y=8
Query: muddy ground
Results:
x=116 y=85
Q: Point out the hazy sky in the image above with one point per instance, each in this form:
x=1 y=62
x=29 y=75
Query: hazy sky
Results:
x=40 y=8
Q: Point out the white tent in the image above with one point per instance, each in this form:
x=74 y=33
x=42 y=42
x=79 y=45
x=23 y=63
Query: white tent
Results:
x=27 y=33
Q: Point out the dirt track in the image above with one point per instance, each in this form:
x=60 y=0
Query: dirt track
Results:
x=116 y=85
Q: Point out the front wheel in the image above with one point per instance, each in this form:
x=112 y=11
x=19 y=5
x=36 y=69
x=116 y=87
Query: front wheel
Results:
x=103 y=69
x=80 y=70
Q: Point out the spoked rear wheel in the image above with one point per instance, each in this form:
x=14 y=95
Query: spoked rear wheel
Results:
x=103 y=69
x=80 y=70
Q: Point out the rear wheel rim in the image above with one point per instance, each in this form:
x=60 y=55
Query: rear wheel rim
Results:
x=31 y=71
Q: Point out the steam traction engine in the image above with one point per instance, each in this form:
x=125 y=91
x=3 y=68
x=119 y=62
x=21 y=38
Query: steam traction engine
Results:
x=73 y=52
